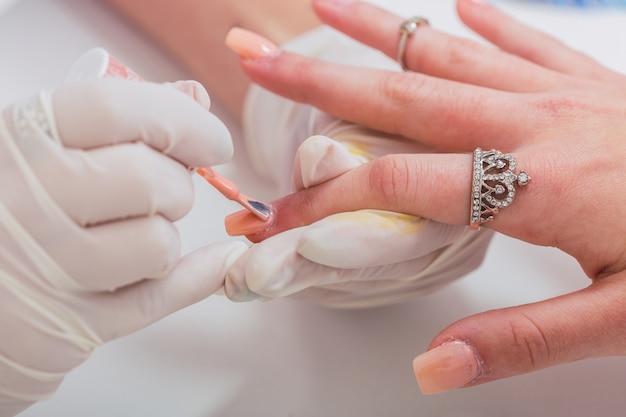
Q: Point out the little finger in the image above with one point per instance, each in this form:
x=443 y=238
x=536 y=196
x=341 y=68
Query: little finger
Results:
x=529 y=44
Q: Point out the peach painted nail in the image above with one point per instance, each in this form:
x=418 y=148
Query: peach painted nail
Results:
x=451 y=365
x=333 y=3
x=244 y=223
x=249 y=45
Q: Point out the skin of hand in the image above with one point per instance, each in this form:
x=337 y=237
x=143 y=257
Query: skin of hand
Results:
x=193 y=32
x=558 y=112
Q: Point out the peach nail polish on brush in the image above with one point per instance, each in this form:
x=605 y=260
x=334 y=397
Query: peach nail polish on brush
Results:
x=229 y=190
x=98 y=63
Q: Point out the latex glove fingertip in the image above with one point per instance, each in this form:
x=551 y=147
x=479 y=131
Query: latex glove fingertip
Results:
x=194 y=90
x=320 y=159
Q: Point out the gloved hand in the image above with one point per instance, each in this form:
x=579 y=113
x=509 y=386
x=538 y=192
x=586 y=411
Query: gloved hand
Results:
x=359 y=259
x=91 y=178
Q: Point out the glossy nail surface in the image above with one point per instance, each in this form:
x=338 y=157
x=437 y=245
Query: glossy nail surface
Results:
x=333 y=3
x=245 y=223
x=451 y=365
x=249 y=45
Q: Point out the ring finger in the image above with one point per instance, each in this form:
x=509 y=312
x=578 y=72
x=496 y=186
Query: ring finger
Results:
x=436 y=187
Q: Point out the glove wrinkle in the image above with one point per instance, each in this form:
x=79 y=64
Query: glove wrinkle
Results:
x=46 y=266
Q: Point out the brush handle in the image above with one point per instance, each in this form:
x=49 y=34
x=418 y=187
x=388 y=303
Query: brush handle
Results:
x=225 y=186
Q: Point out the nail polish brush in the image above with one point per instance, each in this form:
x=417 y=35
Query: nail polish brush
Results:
x=229 y=190
x=98 y=63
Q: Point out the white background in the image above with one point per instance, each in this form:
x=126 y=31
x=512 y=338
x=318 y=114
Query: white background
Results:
x=281 y=358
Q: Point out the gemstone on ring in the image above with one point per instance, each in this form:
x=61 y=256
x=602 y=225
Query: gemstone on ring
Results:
x=407 y=28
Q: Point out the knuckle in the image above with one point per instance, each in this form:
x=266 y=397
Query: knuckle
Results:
x=389 y=178
x=460 y=52
x=400 y=96
x=557 y=107
x=533 y=349
x=402 y=91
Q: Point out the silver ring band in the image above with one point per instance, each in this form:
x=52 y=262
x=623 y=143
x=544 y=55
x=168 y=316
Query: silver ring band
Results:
x=407 y=28
x=493 y=185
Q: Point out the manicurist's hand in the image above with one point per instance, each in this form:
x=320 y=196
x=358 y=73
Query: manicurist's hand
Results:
x=557 y=112
x=92 y=177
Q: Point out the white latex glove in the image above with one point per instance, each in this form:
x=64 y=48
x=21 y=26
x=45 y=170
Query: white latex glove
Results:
x=91 y=178
x=359 y=259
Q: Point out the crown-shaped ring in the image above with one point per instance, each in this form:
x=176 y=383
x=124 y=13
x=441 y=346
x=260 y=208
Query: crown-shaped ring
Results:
x=493 y=185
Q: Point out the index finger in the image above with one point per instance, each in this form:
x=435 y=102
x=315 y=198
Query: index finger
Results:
x=109 y=111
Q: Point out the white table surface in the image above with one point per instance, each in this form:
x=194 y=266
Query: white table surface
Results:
x=282 y=358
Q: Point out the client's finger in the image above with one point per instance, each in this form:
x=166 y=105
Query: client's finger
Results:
x=529 y=44
x=508 y=342
x=444 y=113
x=437 y=187
x=435 y=53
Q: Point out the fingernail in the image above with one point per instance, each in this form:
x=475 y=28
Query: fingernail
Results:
x=244 y=223
x=333 y=3
x=479 y=2
x=249 y=45
x=451 y=365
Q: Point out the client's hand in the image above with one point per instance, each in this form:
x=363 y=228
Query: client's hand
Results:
x=559 y=113
x=357 y=259
x=93 y=176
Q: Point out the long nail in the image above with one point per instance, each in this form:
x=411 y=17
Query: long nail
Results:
x=333 y=3
x=249 y=45
x=451 y=365
x=244 y=223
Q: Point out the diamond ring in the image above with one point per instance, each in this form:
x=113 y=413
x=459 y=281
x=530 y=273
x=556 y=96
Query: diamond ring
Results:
x=407 y=28
x=493 y=185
